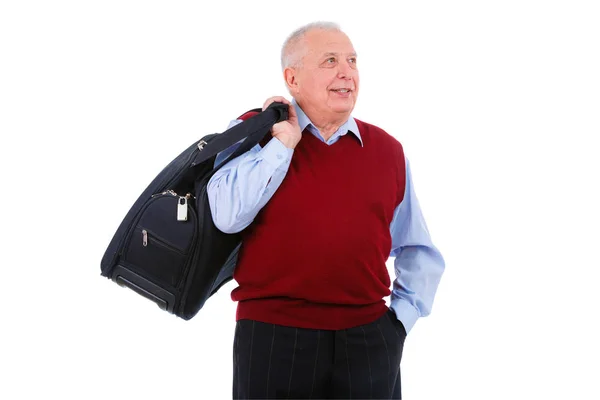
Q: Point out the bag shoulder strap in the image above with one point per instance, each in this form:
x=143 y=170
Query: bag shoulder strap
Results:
x=253 y=129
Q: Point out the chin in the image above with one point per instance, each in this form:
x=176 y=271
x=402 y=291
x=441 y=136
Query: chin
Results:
x=343 y=108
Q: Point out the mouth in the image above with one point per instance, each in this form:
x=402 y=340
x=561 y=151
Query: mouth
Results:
x=341 y=90
x=343 y=93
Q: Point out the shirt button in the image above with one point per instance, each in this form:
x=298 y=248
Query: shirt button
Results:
x=279 y=156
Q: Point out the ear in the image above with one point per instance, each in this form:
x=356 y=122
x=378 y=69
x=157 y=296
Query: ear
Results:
x=289 y=74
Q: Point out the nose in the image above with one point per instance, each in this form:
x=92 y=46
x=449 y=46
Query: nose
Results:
x=344 y=70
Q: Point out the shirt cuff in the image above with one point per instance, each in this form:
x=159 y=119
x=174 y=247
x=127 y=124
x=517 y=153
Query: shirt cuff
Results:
x=405 y=312
x=275 y=153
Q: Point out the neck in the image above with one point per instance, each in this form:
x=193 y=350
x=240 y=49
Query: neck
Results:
x=328 y=129
x=326 y=124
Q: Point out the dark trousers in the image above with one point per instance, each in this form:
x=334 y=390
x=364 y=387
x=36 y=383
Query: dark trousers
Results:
x=278 y=362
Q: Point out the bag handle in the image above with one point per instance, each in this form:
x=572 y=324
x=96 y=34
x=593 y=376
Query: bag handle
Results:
x=259 y=125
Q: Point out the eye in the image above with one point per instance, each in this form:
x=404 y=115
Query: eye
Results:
x=352 y=60
x=329 y=62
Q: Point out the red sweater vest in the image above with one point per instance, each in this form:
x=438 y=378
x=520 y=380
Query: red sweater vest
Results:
x=315 y=255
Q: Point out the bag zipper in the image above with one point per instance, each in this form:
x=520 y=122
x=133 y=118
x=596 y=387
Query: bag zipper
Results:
x=180 y=304
x=192 y=249
x=149 y=237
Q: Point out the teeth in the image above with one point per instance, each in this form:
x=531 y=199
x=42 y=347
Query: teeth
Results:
x=342 y=90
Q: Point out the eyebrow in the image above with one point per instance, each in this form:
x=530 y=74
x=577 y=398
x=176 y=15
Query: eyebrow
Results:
x=335 y=54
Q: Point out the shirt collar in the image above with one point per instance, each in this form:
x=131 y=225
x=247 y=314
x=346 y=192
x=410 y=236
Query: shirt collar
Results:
x=348 y=126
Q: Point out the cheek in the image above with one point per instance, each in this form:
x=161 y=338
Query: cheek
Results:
x=319 y=86
x=322 y=81
x=316 y=84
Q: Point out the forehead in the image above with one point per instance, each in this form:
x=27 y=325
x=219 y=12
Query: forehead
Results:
x=320 y=42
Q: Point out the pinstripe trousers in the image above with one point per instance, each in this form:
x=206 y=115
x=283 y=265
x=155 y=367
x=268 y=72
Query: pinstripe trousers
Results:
x=279 y=362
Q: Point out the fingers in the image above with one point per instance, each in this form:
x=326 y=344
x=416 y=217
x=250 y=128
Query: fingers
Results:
x=292 y=117
x=280 y=99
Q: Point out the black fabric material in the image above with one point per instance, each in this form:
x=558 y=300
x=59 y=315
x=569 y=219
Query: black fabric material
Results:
x=180 y=264
x=278 y=362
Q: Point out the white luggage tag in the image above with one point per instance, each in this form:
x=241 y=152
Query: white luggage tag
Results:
x=182 y=209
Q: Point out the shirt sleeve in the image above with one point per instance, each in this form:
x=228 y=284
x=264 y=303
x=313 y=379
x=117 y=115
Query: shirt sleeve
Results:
x=242 y=186
x=418 y=264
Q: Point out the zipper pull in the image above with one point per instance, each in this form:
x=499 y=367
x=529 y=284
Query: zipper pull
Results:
x=144 y=238
x=170 y=191
x=182 y=208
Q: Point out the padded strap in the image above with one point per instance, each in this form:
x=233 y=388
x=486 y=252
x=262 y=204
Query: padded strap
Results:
x=265 y=140
x=252 y=130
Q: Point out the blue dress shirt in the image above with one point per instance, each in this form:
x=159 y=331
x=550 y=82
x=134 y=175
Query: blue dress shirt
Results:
x=239 y=190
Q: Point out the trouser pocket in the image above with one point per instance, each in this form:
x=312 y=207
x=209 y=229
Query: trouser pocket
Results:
x=397 y=324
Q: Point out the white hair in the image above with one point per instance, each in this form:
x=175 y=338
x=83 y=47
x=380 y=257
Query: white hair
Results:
x=289 y=53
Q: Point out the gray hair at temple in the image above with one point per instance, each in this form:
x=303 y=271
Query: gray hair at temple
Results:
x=290 y=56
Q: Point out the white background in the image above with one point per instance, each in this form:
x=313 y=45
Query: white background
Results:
x=497 y=105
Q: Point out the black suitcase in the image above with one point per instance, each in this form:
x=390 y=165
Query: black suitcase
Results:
x=167 y=247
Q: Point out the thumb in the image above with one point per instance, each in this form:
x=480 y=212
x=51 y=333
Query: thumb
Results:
x=278 y=126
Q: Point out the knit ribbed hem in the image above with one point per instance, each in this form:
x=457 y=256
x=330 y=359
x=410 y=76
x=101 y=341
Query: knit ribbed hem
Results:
x=302 y=314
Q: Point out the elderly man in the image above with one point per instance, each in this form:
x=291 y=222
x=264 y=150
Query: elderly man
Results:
x=322 y=204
